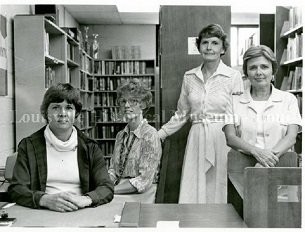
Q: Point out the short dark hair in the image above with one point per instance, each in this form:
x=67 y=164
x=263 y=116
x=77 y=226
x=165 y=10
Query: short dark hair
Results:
x=137 y=88
x=257 y=51
x=58 y=93
x=213 y=30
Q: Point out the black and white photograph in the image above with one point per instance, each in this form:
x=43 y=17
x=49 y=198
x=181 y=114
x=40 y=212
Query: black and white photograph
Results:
x=154 y=115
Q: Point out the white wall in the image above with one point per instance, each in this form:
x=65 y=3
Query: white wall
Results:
x=7 y=129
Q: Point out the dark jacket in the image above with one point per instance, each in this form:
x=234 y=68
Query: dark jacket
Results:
x=30 y=172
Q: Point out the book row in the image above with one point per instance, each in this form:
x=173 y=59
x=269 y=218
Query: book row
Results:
x=87 y=100
x=126 y=52
x=85 y=119
x=295 y=17
x=294 y=80
x=110 y=114
x=105 y=99
x=49 y=77
x=108 y=132
x=86 y=63
x=103 y=67
x=112 y=83
x=295 y=47
x=107 y=150
x=86 y=83
x=71 y=51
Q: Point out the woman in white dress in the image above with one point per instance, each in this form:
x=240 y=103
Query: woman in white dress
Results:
x=205 y=93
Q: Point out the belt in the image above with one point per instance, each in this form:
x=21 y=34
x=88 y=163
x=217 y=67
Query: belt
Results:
x=210 y=118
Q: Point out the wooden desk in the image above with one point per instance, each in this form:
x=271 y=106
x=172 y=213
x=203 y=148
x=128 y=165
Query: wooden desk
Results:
x=188 y=215
x=89 y=217
x=145 y=215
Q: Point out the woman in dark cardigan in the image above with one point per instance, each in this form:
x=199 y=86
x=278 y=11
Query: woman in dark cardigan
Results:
x=58 y=167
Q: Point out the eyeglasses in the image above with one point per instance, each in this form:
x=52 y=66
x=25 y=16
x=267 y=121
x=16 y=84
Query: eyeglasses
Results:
x=131 y=101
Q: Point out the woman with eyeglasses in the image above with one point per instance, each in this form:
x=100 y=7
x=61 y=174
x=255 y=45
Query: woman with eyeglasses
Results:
x=137 y=150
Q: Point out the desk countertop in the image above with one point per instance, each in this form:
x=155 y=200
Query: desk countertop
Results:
x=89 y=217
x=188 y=215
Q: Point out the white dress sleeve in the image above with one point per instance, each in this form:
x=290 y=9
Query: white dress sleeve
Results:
x=181 y=114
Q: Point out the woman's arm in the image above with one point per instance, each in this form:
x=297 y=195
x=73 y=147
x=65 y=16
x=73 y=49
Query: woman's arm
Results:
x=181 y=114
x=286 y=142
x=101 y=187
x=19 y=189
x=263 y=156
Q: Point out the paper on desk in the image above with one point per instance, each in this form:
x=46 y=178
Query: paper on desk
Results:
x=167 y=224
x=8 y=205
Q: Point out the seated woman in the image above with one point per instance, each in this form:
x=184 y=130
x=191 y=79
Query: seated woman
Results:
x=58 y=167
x=137 y=150
x=262 y=122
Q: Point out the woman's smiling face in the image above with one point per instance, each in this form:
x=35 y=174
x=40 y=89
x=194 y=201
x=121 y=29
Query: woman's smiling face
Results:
x=259 y=71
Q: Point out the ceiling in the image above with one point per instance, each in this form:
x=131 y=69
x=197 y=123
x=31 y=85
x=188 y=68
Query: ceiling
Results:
x=109 y=14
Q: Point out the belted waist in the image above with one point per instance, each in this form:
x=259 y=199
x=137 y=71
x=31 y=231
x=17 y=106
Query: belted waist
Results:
x=210 y=118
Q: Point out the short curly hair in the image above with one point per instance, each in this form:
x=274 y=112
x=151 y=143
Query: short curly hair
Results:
x=257 y=51
x=213 y=30
x=58 y=93
x=138 y=89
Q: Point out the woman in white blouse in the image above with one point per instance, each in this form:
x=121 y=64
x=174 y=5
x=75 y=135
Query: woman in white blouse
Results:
x=266 y=120
x=205 y=92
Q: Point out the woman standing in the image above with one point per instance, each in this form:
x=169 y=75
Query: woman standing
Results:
x=137 y=150
x=266 y=120
x=205 y=92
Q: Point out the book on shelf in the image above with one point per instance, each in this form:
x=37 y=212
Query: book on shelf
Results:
x=49 y=77
x=46 y=43
x=295 y=17
x=126 y=52
x=294 y=46
x=120 y=67
x=294 y=80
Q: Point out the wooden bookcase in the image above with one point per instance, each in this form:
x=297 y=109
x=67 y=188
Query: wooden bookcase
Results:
x=289 y=42
x=45 y=54
x=108 y=75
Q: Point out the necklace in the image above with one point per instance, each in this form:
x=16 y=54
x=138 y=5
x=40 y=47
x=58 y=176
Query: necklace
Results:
x=122 y=163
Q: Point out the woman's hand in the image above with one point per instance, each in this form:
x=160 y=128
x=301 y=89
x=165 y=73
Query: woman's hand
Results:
x=265 y=157
x=61 y=202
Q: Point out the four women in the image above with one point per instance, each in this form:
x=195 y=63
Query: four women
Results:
x=61 y=169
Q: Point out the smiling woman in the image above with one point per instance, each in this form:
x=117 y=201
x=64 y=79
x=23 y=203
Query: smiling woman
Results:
x=58 y=167
x=266 y=120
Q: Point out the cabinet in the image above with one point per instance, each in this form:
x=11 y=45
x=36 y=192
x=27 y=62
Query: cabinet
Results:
x=289 y=53
x=108 y=75
x=44 y=54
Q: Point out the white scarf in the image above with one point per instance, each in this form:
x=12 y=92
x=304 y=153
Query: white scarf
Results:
x=69 y=145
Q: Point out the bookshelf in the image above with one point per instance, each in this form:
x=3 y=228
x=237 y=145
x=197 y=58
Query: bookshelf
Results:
x=289 y=53
x=108 y=75
x=46 y=54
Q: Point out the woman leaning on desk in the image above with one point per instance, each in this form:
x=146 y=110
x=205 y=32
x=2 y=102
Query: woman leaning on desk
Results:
x=262 y=122
x=58 y=167
x=137 y=150
x=205 y=92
